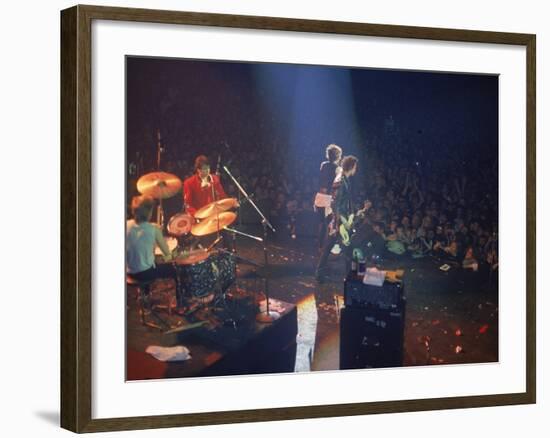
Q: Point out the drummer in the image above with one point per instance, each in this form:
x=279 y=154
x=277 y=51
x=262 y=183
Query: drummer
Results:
x=141 y=238
x=202 y=188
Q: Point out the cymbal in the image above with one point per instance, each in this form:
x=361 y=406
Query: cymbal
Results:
x=216 y=207
x=213 y=223
x=159 y=185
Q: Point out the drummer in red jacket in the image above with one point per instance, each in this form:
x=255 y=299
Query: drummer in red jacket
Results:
x=202 y=188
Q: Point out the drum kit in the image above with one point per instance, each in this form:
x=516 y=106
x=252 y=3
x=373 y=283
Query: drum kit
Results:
x=201 y=271
x=204 y=272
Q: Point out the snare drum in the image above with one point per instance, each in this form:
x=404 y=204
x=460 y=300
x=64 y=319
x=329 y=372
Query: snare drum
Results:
x=205 y=272
x=180 y=224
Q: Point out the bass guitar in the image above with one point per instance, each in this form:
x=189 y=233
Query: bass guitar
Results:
x=348 y=223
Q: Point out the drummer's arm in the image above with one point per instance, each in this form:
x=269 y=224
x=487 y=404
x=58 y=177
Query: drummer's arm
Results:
x=163 y=245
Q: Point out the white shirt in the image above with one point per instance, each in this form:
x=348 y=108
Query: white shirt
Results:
x=140 y=245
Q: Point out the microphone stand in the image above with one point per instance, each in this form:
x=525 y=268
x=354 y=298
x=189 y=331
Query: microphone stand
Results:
x=239 y=217
x=222 y=298
x=160 y=210
x=268 y=316
x=215 y=198
x=234 y=233
x=240 y=222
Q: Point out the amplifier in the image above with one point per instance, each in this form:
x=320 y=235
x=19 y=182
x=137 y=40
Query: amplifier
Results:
x=371 y=336
x=359 y=294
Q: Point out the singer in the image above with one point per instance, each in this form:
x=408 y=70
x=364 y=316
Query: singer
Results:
x=202 y=188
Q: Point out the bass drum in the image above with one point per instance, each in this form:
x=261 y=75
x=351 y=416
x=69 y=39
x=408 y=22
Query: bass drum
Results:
x=203 y=273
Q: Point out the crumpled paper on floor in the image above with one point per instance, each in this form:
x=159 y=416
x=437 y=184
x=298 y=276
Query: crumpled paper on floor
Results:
x=169 y=354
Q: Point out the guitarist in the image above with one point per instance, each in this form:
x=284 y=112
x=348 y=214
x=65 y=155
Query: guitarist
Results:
x=328 y=172
x=342 y=208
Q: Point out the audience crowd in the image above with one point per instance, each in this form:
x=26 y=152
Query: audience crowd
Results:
x=428 y=198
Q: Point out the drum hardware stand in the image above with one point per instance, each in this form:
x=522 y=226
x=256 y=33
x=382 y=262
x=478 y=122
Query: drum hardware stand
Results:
x=157 y=317
x=146 y=305
x=160 y=210
x=147 y=308
x=218 y=240
x=234 y=234
x=235 y=231
x=215 y=198
x=267 y=316
x=234 y=253
x=160 y=215
x=239 y=198
x=179 y=288
x=240 y=233
x=220 y=236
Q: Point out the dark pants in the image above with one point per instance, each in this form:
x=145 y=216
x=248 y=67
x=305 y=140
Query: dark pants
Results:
x=161 y=270
x=329 y=242
x=323 y=224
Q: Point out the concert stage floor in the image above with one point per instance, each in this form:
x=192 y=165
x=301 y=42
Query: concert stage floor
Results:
x=451 y=317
